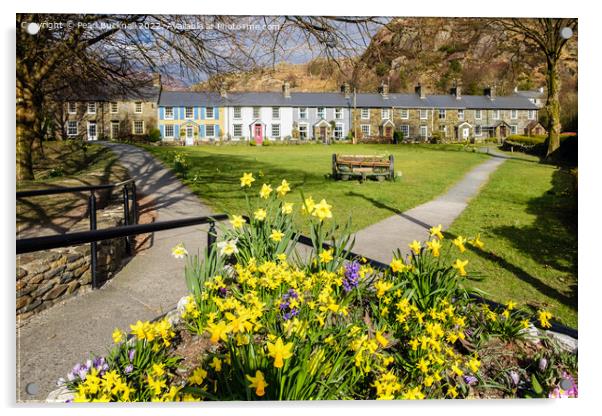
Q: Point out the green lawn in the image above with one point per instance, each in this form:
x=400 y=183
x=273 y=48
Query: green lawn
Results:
x=427 y=171
x=527 y=217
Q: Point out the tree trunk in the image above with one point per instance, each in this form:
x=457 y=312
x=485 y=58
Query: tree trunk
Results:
x=553 y=107
x=25 y=130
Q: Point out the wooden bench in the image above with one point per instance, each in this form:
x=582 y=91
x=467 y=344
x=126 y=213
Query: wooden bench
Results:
x=379 y=167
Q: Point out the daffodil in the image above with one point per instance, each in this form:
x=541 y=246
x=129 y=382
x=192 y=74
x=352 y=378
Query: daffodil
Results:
x=436 y=232
x=397 y=265
x=322 y=210
x=510 y=305
x=179 y=252
x=284 y=188
x=247 y=179
x=280 y=352
x=326 y=256
x=544 y=319
x=260 y=214
x=218 y=331
x=452 y=392
x=276 y=235
x=265 y=191
x=525 y=323
x=459 y=265
x=308 y=205
x=382 y=287
x=237 y=221
x=198 y=376
x=423 y=365
x=287 y=208
x=476 y=242
x=415 y=246
x=474 y=364
x=156 y=384
x=227 y=248
x=381 y=339
x=434 y=246
x=117 y=336
x=459 y=242
x=216 y=364
x=258 y=383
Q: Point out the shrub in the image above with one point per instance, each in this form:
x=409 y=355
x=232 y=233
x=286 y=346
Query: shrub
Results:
x=252 y=142
x=154 y=135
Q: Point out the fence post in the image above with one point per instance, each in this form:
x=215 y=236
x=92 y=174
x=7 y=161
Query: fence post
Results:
x=211 y=237
x=126 y=219
x=93 y=253
x=134 y=203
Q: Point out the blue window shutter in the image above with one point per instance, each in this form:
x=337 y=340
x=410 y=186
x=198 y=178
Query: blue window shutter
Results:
x=161 y=113
x=162 y=127
x=176 y=131
x=196 y=113
x=202 y=113
x=216 y=130
x=216 y=112
x=202 y=131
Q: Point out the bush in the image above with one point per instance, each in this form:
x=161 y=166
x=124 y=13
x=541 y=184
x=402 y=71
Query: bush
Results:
x=252 y=142
x=154 y=135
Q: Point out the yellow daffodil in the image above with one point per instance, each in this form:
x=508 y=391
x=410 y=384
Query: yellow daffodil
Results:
x=284 y=188
x=117 y=336
x=158 y=369
x=381 y=339
x=322 y=210
x=510 y=305
x=423 y=365
x=227 y=248
x=474 y=364
x=287 y=208
x=326 y=256
x=247 y=179
x=218 y=331
x=459 y=242
x=308 y=205
x=476 y=242
x=525 y=323
x=265 y=191
x=397 y=265
x=413 y=394
x=459 y=265
x=237 y=221
x=544 y=319
x=280 y=352
x=143 y=330
x=382 y=287
x=415 y=246
x=436 y=232
x=457 y=370
x=179 y=252
x=276 y=235
x=260 y=214
x=452 y=392
x=258 y=383
x=216 y=364
x=198 y=376
x=434 y=246
x=156 y=385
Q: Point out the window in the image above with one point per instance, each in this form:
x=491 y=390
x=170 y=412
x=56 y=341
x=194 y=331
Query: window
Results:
x=405 y=130
x=531 y=115
x=209 y=112
x=513 y=129
x=366 y=113
x=478 y=131
x=114 y=129
x=71 y=107
x=72 y=128
x=138 y=107
x=237 y=112
x=91 y=108
x=210 y=130
x=169 y=112
x=256 y=112
x=477 y=114
x=385 y=114
x=423 y=131
x=114 y=108
x=338 y=131
x=338 y=113
x=441 y=114
x=169 y=130
x=404 y=113
x=366 y=130
x=303 y=131
x=443 y=130
x=276 y=130
x=303 y=112
x=276 y=112
x=460 y=114
x=513 y=114
x=189 y=112
x=321 y=112
x=138 y=127
x=496 y=114
x=423 y=114
x=237 y=130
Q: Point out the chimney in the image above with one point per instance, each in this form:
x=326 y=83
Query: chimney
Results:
x=157 y=80
x=384 y=90
x=456 y=91
x=286 y=89
x=490 y=92
x=346 y=89
x=223 y=92
x=420 y=91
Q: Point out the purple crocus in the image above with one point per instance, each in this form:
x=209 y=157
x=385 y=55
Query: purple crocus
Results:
x=515 y=377
x=128 y=369
x=131 y=354
x=352 y=276
x=470 y=380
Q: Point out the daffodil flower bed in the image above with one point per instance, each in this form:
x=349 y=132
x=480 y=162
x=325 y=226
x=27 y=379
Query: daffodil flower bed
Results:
x=278 y=325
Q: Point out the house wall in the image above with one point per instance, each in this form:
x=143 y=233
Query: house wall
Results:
x=265 y=116
x=312 y=118
x=198 y=121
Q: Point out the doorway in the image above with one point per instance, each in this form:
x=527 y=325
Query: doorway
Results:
x=92 y=132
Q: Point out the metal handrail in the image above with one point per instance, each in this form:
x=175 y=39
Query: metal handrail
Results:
x=71 y=189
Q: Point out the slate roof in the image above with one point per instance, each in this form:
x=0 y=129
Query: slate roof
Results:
x=334 y=99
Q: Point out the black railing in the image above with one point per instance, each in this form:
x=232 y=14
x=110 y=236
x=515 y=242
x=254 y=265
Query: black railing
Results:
x=29 y=245
x=129 y=194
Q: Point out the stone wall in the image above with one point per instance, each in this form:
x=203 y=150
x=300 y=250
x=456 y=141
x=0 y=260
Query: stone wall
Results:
x=44 y=278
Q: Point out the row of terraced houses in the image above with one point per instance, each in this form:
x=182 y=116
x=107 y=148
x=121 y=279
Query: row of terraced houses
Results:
x=195 y=117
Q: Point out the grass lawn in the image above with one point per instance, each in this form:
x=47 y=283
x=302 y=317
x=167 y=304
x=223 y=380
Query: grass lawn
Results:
x=427 y=171
x=64 y=164
x=527 y=217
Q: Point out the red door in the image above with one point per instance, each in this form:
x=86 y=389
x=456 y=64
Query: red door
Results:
x=258 y=134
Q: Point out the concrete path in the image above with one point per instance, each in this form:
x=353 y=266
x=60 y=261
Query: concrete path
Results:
x=380 y=240
x=150 y=284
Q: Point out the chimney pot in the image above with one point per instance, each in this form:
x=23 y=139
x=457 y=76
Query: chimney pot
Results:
x=384 y=90
x=420 y=91
x=490 y=92
x=286 y=89
x=346 y=89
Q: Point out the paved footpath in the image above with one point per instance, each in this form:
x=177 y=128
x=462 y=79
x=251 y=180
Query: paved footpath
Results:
x=380 y=240
x=148 y=285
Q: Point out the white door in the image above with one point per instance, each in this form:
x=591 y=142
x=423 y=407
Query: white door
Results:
x=465 y=132
x=189 y=135
x=92 y=135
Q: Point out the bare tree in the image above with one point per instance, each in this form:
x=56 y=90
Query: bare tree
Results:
x=548 y=36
